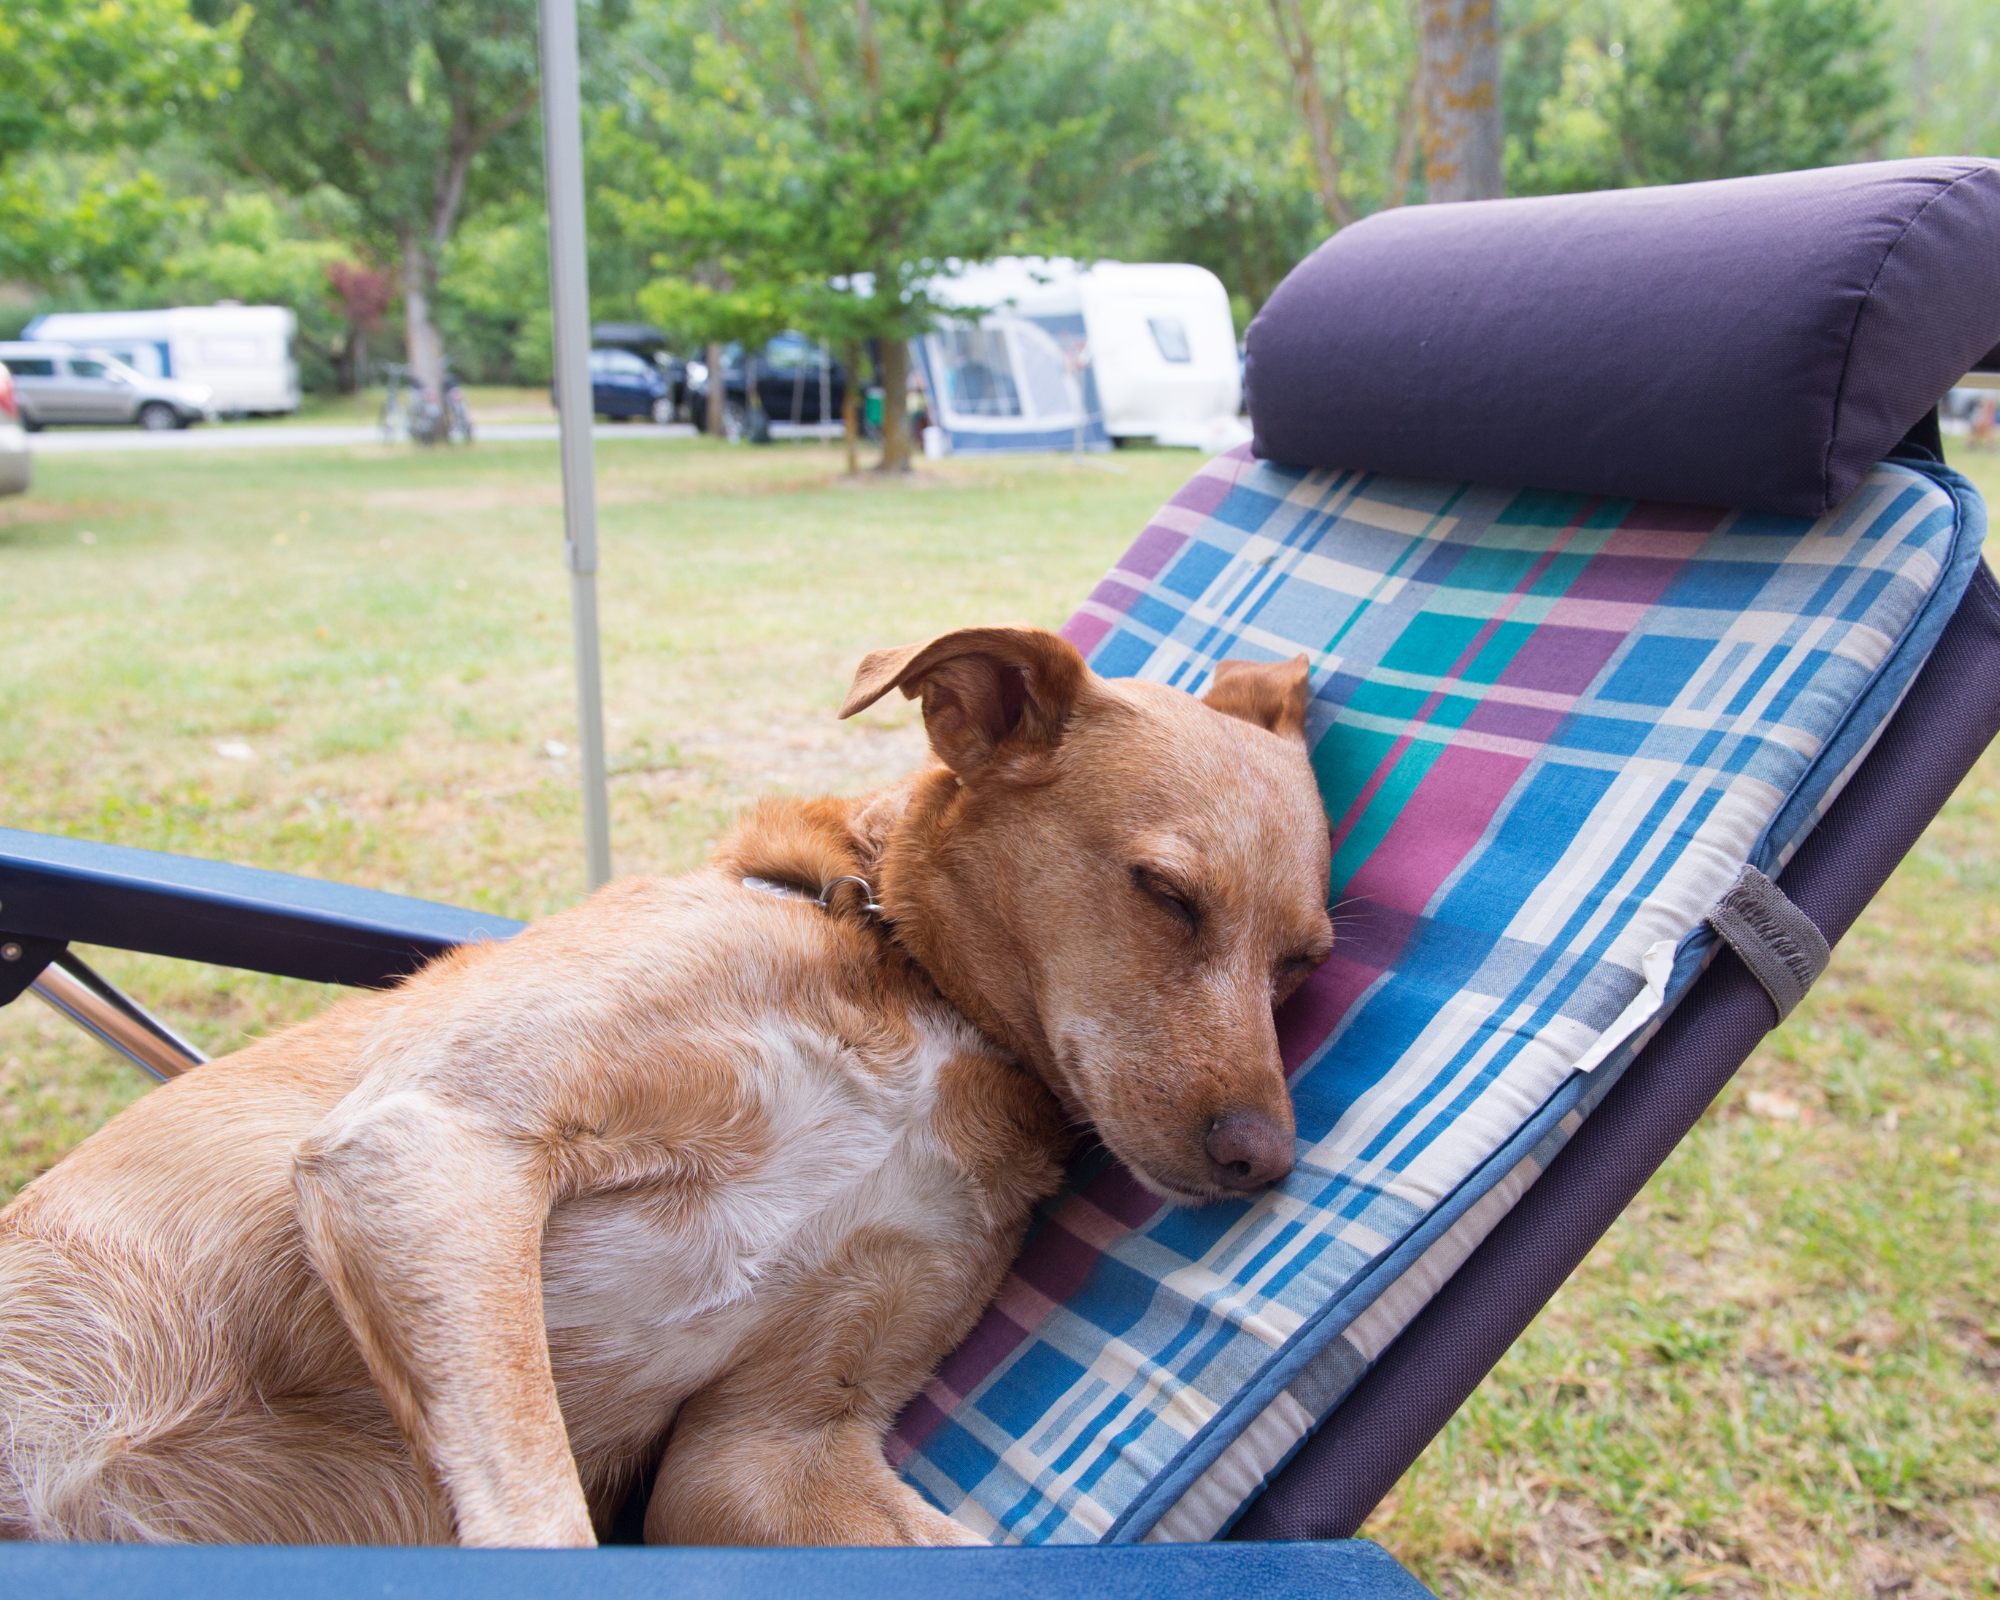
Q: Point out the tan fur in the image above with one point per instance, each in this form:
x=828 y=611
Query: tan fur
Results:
x=690 y=1175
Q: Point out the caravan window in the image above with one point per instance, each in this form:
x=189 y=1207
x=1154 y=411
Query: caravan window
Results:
x=1170 y=334
x=978 y=373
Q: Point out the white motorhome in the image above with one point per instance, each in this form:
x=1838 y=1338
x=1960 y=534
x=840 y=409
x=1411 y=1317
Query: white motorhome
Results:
x=1061 y=352
x=242 y=353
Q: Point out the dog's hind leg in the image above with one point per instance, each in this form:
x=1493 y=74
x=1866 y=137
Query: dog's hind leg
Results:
x=125 y=1415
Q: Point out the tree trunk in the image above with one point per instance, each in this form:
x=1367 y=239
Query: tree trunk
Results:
x=895 y=404
x=1460 y=81
x=718 y=394
x=350 y=372
x=426 y=349
x=850 y=408
x=1295 y=41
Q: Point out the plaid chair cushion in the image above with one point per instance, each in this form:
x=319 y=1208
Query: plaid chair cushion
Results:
x=1549 y=730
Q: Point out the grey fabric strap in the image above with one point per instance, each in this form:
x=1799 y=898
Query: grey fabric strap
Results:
x=1778 y=942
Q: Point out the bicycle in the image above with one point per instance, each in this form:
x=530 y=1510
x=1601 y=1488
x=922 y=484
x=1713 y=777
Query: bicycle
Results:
x=411 y=412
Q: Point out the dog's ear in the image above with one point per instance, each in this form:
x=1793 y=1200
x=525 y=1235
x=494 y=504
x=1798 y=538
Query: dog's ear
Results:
x=982 y=688
x=1272 y=694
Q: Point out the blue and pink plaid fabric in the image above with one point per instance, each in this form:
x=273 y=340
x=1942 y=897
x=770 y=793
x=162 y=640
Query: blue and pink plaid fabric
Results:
x=1549 y=730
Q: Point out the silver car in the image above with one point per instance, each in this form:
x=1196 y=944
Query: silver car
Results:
x=17 y=470
x=58 y=383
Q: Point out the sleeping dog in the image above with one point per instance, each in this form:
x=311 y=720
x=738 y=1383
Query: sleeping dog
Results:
x=706 y=1174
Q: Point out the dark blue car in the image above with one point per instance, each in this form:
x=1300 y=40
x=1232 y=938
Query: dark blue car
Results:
x=626 y=385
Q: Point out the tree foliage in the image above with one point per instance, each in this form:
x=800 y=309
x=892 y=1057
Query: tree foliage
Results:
x=1735 y=87
x=822 y=162
x=82 y=81
x=1710 y=89
x=756 y=164
x=417 y=111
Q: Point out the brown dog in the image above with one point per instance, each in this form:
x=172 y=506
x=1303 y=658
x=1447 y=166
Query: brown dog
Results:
x=696 y=1168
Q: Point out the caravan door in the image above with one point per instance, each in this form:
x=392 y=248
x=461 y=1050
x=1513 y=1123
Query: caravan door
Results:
x=1004 y=384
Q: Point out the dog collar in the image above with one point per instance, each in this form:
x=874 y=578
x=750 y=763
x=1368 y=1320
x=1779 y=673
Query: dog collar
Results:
x=789 y=892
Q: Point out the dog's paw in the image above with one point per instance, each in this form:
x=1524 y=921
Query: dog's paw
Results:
x=936 y=1528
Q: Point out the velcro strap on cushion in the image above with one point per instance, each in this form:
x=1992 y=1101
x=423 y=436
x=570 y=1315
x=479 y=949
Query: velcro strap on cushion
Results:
x=1779 y=943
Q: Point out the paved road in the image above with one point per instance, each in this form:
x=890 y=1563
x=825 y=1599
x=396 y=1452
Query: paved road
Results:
x=285 y=436
x=282 y=436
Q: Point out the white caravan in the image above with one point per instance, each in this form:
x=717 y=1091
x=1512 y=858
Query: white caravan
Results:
x=242 y=353
x=1132 y=350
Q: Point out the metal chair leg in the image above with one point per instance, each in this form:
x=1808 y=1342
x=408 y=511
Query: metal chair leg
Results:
x=116 y=1019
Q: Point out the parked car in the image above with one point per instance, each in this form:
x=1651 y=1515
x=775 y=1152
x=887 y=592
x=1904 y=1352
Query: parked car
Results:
x=623 y=385
x=16 y=467
x=59 y=383
x=648 y=343
x=789 y=369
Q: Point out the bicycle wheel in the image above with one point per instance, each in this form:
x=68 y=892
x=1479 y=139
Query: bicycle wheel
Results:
x=395 y=417
x=427 y=423
x=460 y=429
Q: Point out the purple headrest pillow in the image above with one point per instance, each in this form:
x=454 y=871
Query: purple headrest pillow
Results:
x=1755 y=342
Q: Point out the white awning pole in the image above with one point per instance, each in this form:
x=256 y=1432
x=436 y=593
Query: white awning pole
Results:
x=569 y=295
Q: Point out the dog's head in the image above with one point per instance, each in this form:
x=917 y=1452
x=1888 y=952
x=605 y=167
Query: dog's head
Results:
x=1120 y=882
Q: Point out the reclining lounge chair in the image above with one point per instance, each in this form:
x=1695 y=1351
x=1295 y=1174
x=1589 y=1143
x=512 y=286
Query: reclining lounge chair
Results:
x=1610 y=761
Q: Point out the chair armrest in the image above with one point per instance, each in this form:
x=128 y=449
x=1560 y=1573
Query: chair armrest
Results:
x=195 y=910
x=1349 y=1570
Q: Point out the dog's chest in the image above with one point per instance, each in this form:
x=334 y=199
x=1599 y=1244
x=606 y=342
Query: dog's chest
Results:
x=651 y=1293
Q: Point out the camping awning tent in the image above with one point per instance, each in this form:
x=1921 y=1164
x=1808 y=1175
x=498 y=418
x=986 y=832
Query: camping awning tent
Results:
x=1053 y=355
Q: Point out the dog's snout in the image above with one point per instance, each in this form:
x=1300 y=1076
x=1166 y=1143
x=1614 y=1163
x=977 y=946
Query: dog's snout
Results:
x=1248 y=1150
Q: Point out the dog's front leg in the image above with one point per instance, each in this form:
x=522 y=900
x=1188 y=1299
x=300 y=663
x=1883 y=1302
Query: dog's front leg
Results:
x=426 y=1226
x=786 y=1448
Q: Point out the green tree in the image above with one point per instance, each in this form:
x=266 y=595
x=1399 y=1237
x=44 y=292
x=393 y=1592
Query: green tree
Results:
x=493 y=296
x=249 y=246
x=836 y=154
x=1951 y=61
x=1742 y=86
x=1192 y=149
x=80 y=82
x=418 y=111
x=1704 y=89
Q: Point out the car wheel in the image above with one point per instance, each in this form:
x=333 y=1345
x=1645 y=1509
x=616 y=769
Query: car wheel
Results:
x=663 y=411
x=156 y=416
x=30 y=423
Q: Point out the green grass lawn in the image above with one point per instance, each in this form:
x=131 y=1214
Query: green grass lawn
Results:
x=357 y=664
x=364 y=408
x=1779 y=1374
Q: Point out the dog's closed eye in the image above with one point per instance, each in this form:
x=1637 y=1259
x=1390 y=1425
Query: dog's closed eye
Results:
x=1168 y=896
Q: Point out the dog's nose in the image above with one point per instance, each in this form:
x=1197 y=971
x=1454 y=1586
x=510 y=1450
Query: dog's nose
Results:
x=1248 y=1151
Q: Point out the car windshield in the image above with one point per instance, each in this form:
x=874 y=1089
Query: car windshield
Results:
x=111 y=367
x=791 y=350
x=616 y=361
